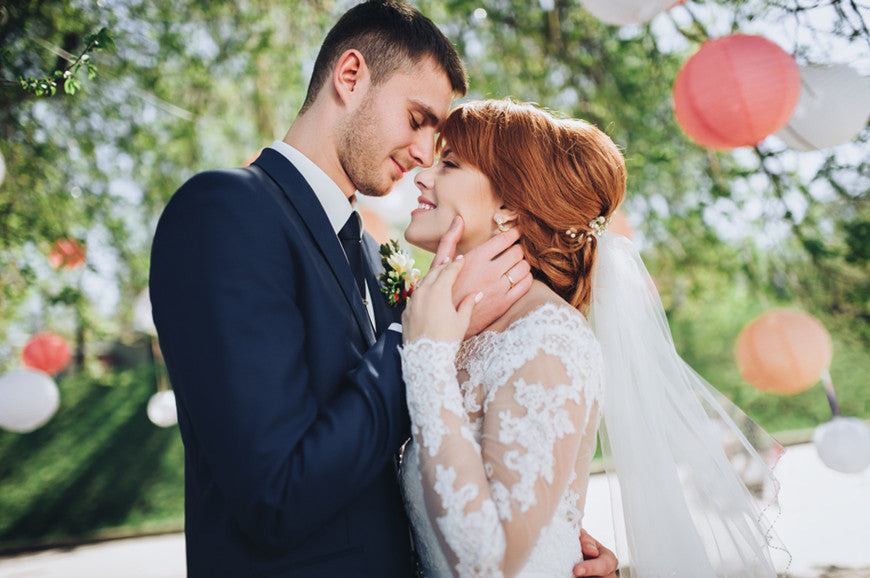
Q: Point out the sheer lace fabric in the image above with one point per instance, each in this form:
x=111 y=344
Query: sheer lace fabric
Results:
x=503 y=432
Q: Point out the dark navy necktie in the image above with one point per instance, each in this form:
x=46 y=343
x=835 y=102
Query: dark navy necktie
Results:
x=350 y=237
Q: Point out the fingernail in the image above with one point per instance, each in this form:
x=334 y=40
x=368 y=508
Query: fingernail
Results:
x=478 y=297
x=458 y=257
x=455 y=222
x=580 y=572
x=445 y=260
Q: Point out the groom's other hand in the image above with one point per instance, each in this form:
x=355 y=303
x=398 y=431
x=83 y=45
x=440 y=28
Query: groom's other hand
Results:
x=495 y=268
x=598 y=560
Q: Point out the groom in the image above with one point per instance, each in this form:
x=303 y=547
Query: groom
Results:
x=283 y=354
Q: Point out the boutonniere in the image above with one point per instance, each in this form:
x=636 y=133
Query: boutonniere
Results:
x=399 y=277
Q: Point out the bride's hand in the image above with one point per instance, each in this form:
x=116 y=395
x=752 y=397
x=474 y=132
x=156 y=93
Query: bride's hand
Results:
x=430 y=311
x=495 y=268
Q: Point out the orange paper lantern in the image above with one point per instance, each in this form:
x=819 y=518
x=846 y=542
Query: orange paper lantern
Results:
x=46 y=352
x=66 y=253
x=784 y=352
x=736 y=91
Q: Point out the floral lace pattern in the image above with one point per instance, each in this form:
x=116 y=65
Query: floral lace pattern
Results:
x=464 y=532
x=536 y=432
x=427 y=402
x=503 y=432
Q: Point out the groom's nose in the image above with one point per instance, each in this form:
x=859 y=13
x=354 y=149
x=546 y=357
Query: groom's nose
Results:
x=423 y=148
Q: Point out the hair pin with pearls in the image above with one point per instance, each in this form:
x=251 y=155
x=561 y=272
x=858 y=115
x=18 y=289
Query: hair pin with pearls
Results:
x=598 y=226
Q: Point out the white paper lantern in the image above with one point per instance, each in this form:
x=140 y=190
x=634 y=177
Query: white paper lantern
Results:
x=843 y=444
x=833 y=108
x=28 y=399
x=621 y=12
x=161 y=408
x=142 y=319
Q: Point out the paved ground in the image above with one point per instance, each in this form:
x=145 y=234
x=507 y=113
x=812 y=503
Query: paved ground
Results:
x=825 y=523
x=152 y=557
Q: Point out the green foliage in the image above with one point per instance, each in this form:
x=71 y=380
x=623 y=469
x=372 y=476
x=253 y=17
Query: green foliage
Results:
x=186 y=86
x=47 y=85
x=98 y=464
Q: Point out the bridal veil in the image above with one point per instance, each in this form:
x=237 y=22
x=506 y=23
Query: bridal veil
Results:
x=682 y=458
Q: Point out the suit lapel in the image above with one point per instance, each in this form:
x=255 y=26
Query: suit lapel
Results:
x=300 y=195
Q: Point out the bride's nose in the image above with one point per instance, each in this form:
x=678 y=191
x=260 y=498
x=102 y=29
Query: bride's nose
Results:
x=423 y=179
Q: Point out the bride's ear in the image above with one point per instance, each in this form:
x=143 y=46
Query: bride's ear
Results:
x=504 y=219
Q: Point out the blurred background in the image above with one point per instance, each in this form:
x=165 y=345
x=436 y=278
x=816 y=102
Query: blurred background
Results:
x=744 y=125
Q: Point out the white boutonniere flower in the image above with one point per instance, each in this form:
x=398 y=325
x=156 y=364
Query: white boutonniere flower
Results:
x=399 y=277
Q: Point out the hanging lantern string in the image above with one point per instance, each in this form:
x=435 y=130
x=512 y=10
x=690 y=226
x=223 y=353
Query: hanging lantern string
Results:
x=157 y=359
x=829 y=391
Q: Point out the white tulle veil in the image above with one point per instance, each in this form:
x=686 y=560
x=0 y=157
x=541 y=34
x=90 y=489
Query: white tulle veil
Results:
x=690 y=473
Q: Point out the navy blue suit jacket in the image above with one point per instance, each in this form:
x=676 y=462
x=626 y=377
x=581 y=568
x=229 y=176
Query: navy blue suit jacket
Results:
x=291 y=407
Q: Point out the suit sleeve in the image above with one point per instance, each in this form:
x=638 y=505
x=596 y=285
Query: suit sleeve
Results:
x=223 y=289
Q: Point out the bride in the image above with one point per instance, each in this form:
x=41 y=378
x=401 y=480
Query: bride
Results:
x=504 y=423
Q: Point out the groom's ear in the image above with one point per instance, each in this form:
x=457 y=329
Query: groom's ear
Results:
x=350 y=75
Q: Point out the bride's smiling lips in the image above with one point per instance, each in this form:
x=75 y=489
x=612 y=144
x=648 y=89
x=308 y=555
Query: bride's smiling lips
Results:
x=423 y=205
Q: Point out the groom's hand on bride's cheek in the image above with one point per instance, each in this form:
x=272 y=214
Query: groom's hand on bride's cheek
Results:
x=497 y=269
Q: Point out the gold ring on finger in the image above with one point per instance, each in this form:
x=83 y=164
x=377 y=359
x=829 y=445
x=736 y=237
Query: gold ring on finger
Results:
x=510 y=280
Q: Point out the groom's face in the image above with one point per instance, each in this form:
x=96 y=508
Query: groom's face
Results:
x=393 y=128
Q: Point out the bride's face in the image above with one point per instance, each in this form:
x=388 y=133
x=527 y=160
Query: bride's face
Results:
x=452 y=187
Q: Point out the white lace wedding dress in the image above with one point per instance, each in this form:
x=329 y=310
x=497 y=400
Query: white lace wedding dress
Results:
x=504 y=428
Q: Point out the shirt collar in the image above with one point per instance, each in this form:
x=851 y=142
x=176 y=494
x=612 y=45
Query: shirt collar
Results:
x=333 y=201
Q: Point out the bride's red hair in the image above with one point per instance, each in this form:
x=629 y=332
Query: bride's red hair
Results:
x=557 y=174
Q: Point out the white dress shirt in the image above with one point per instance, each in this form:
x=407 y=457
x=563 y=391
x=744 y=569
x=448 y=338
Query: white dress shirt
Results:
x=336 y=205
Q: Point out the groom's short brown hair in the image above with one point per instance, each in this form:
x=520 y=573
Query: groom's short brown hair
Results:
x=390 y=35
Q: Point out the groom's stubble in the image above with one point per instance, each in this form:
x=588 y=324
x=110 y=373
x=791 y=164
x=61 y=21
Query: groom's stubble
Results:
x=360 y=150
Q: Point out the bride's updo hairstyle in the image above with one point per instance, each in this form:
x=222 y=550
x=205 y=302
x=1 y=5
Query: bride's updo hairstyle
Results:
x=557 y=174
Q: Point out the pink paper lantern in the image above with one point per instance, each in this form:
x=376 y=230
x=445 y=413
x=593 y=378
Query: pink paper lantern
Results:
x=66 y=253
x=736 y=91
x=48 y=352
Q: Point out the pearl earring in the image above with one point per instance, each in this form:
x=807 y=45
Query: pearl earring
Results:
x=499 y=222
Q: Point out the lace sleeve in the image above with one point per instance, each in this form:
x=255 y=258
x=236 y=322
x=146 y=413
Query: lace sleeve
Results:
x=489 y=502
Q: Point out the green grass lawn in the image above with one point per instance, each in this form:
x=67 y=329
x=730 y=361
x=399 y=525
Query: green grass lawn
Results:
x=99 y=466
